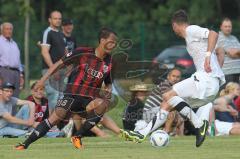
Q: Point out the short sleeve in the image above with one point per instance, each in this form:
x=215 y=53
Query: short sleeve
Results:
x=164 y=87
x=46 y=39
x=220 y=41
x=13 y=101
x=236 y=39
x=108 y=79
x=2 y=110
x=46 y=113
x=197 y=32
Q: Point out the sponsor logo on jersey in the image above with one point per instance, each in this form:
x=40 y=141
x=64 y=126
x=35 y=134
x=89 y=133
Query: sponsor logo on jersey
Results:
x=68 y=54
x=105 y=68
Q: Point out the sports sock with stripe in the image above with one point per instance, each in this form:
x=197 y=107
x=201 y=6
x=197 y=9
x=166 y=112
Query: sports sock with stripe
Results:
x=39 y=132
x=157 y=121
x=92 y=119
x=184 y=109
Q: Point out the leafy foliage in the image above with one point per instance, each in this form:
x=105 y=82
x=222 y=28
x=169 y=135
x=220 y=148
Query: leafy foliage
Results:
x=146 y=23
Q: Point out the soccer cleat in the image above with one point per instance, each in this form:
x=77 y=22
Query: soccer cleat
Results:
x=134 y=136
x=77 y=142
x=123 y=135
x=20 y=146
x=201 y=133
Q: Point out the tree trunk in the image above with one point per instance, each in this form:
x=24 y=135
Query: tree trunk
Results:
x=26 y=43
x=219 y=7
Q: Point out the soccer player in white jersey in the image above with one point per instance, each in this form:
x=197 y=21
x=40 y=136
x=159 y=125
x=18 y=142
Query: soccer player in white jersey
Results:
x=201 y=88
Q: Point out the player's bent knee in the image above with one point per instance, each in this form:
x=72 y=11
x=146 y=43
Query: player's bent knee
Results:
x=59 y=113
x=165 y=106
x=54 y=119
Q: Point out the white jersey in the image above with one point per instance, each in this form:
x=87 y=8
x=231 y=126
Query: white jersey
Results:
x=197 y=43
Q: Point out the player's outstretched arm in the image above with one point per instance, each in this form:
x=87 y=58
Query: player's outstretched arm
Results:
x=49 y=72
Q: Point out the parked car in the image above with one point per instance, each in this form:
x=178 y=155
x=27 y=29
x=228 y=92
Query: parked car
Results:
x=176 y=56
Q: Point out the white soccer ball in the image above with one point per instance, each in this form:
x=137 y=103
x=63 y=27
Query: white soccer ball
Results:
x=159 y=138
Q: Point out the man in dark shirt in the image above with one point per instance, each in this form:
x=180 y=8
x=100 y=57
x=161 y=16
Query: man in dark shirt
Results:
x=52 y=50
x=82 y=96
x=70 y=40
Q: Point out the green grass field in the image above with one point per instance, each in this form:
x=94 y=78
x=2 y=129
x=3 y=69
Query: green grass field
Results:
x=115 y=148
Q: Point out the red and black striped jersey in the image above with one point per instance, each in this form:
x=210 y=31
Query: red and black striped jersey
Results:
x=89 y=72
x=41 y=110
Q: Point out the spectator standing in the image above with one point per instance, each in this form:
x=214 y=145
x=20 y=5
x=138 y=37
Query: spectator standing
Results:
x=10 y=63
x=228 y=50
x=70 y=40
x=52 y=50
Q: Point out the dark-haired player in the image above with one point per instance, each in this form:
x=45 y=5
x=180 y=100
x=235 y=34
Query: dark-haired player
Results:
x=92 y=67
x=200 y=88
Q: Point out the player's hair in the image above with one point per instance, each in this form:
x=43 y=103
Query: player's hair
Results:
x=104 y=33
x=180 y=17
x=50 y=15
x=225 y=19
x=229 y=88
x=33 y=85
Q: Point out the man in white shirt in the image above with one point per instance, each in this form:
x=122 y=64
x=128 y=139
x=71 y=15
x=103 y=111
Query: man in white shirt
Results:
x=10 y=63
x=200 y=89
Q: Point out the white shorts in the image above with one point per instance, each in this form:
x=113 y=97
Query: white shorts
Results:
x=223 y=128
x=199 y=89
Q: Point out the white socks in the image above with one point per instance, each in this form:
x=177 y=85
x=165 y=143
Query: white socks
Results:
x=158 y=120
x=184 y=109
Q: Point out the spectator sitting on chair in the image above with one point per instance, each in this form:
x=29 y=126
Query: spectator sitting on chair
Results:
x=10 y=63
x=8 y=123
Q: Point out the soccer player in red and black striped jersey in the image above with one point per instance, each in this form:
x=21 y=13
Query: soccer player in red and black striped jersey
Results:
x=91 y=67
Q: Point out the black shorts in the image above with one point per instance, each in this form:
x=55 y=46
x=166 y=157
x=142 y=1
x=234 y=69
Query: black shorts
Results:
x=74 y=103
